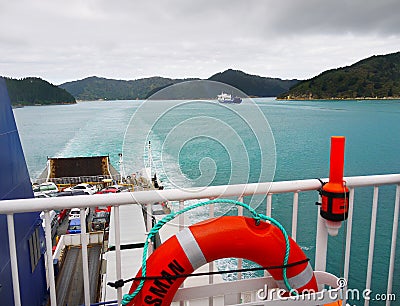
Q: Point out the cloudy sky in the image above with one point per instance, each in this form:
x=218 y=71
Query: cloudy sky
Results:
x=66 y=40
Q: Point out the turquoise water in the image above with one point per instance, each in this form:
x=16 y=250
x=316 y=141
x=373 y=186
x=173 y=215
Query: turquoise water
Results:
x=205 y=144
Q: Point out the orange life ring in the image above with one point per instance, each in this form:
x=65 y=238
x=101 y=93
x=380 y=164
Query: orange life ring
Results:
x=223 y=237
x=337 y=303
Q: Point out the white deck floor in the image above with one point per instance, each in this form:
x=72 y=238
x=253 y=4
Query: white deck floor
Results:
x=130 y=261
x=132 y=226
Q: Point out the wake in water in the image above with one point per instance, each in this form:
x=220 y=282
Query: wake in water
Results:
x=197 y=142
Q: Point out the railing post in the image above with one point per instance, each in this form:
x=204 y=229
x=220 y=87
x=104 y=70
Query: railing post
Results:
x=181 y=218
x=294 y=214
x=321 y=243
x=371 y=241
x=181 y=221
x=149 y=225
x=268 y=212
x=393 y=246
x=118 y=265
x=49 y=251
x=13 y=259
x=235 y=298
x=240 y=260
x=348 y=241
x=269 y=205
x=85 y=264
x=211 y=264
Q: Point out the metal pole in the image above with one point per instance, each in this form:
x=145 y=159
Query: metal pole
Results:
x=393 y=246
x=269 y=205
x=237 y=297
x=321 y=243
x=13 y=259
x=211 y=264
x=118 y=251
x=348 y=242
x=85 y=266
x=49 y=255
x=371 y=241
x=294 y=215
x=181 y=218
x=149 y=222
x=240 y=260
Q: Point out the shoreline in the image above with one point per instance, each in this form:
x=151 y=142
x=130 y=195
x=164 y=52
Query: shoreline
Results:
x=337 y=99
x=19 y=105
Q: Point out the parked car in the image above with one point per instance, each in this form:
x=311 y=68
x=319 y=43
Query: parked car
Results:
x=88 y=188
x=46 y=188
x=74 y=227
x=61 y=215
x=157 y=209
x=73 y=192
x=40 y=194
x=75 y=213
x=102 y=208
x=101 y=221
x=113 y=189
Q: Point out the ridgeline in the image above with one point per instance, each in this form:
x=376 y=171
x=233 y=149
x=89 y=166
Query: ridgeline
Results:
x=95 y=88
x=376 y=77
x=254 y=85
x=35 y=91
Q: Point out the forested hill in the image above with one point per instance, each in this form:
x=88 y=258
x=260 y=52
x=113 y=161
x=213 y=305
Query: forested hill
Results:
x=95 y=88
x=373 y=77
x=33 y=91
x=254 y=85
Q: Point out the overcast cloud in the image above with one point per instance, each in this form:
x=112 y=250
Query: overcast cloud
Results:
x=62 y=41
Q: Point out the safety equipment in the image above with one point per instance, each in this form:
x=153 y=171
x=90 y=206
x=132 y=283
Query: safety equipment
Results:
x=335 y=194
x=223 y=237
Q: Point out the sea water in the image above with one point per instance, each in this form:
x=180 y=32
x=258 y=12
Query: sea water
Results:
x=199 y=144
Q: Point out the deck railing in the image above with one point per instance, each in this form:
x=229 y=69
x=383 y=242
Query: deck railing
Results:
x=11 y=207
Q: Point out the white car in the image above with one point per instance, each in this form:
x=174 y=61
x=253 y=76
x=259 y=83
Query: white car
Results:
x=75 y=213
x=46 y=188
x=87 y=188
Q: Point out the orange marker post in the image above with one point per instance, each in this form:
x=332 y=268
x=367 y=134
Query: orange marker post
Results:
x=335 y=194
x=337 y=160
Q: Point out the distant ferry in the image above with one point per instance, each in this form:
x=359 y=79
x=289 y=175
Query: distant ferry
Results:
x=227 y=98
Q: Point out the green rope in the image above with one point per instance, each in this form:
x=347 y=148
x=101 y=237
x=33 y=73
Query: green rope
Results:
x=256 y=216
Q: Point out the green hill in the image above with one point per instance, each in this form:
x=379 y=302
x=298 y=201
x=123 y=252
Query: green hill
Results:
x=32 y=91
x=254 y=85
x=95 y=88
x=376 y=77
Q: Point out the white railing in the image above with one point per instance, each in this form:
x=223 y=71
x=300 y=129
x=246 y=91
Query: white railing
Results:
x=11 y=207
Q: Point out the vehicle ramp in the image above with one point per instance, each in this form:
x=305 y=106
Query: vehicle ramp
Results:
x=69 y=283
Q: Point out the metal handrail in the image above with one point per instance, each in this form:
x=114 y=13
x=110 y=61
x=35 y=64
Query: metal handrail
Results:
x=11 y=207
x=155 y=196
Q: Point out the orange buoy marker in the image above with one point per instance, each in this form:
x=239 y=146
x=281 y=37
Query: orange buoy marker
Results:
x=335 y=194
x=228 y=236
